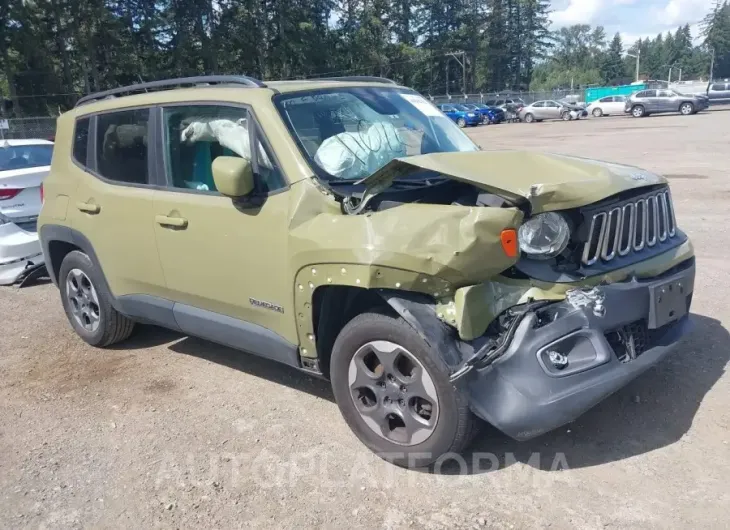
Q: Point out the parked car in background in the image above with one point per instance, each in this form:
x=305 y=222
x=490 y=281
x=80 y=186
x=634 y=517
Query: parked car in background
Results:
x=23 y=166
x=495 y=115
x=461 y=115
x=490 y=115
x=578 y=108
x=608 y=106
x=646 y=102
x=718 y=93
x=547 y=110
x=506 y=103
x=475 y=108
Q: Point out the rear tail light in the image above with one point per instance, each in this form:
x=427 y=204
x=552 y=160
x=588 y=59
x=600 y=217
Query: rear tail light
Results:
x=43 y=196
x=9 y=193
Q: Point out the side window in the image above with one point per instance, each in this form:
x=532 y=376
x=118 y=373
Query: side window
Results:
x=81 y=140
x=121 y=146
x=718 y=86
x=196 y=135
x=539 y=104
x=642 y=94
x=666 y=94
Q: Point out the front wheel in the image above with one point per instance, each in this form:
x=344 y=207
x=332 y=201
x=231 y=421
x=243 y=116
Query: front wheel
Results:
x=686 y=109
x=394 y=392
x=461 y=122
x=566 y=116
x=597 y=113
x=529 y=118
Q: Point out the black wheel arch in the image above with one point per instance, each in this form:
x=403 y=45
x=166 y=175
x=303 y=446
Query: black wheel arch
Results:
x=334 y=306
x=57 y=241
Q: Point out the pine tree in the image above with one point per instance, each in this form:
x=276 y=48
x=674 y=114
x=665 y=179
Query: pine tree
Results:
x=612 y=69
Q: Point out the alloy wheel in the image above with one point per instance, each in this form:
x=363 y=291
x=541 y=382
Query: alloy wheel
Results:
x=83 y=300
x=393 y=393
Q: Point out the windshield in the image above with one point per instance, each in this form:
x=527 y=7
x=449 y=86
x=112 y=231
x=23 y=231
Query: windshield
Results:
x=25 y=156
x=350 y=133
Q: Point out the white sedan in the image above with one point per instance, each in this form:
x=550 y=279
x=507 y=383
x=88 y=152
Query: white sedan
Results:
x=23 y=166
x=610 y=105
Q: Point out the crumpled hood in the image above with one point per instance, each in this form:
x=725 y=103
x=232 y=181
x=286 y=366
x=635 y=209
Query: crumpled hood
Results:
x=549 y=182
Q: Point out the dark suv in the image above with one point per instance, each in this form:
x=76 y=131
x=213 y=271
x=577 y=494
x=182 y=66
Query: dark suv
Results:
x=654 y=101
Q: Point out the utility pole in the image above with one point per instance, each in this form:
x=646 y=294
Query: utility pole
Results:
x=712 y=65
x=463 y=67
x=638 y=60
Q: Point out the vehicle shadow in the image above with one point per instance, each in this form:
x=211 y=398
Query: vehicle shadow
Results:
x=653 y=411
x=277 y=373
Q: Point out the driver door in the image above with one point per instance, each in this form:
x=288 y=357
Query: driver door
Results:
x=220 y=259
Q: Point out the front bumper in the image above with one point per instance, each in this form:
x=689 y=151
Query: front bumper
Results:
x=524 y=395
x=19 y=249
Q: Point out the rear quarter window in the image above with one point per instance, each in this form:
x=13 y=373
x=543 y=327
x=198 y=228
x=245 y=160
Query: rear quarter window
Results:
x=81 y=141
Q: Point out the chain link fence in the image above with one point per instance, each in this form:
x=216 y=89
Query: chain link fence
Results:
x=19 y=128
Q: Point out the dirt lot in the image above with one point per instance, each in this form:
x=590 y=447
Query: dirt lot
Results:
x=169 y=431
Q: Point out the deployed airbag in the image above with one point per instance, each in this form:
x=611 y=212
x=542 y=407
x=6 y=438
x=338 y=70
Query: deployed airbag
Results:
x=355 y=155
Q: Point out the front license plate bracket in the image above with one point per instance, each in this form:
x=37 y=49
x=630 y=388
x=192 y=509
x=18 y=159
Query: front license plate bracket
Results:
x=668 y=302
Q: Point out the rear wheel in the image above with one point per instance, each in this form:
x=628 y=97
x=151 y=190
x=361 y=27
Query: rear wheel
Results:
x=686 y=109
x=87 y=306
x=461 y=122
x=638 y=111
x=529 y=118
x=394 y=392
x=566 y=116
x=597 y=112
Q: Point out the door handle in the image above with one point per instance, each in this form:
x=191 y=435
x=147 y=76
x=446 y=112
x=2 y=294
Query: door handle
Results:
x=87 y=207
x=173 y=222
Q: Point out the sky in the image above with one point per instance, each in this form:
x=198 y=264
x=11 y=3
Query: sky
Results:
x=634 y=19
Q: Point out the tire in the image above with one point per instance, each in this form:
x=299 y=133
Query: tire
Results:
x=565 y=116
x=461 y=122
x=597 y=112
x=89 y=309
x=454 y=426
x=529 y=118
x=638 y=111
x=686 y=108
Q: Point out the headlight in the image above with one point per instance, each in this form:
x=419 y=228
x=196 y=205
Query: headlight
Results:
x=544 y=236
x=471 y=114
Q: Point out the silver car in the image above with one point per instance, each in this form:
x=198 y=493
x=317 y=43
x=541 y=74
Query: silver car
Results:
x=547 y=110
x=653 y=101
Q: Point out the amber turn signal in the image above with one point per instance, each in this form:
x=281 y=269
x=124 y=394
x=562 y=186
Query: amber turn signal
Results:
x=510 y=245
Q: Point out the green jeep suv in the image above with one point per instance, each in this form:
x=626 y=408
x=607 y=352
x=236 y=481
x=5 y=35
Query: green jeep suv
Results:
x=348 y=228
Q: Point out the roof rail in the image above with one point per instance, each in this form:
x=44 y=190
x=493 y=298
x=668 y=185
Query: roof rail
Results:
x=357 y=78
x=173 y=83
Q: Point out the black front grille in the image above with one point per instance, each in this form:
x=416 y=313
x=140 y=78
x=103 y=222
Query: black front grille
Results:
x=629 y=226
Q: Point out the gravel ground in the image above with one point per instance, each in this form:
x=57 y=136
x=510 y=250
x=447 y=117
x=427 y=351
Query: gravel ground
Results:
x=169 y=431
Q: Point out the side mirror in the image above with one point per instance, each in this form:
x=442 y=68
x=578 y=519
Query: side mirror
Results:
x=233 y=176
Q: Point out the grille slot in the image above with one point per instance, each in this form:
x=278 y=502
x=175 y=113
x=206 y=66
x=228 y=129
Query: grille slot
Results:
x=632 y=226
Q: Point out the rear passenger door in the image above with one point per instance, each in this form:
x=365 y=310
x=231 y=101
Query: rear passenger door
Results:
x=222 y=260
x=112 y=205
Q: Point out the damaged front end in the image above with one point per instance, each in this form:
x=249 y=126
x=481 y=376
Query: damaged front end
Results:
x=536 y=337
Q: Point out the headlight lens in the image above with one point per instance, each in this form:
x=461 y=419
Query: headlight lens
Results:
x=544 y=236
